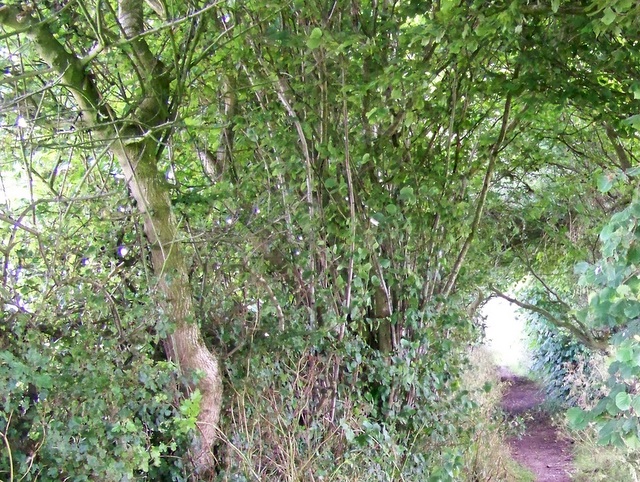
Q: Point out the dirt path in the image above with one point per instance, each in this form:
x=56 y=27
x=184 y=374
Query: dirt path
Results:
x=540 y=449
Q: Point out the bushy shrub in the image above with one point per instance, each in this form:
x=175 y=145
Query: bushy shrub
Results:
x=313 y=407
x=557 y=358
x=109 y=417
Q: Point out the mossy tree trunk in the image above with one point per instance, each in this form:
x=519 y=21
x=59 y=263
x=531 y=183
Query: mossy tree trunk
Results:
x=134 y=141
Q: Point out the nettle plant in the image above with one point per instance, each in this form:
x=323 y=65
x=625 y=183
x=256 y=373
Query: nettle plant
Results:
x=614 y=310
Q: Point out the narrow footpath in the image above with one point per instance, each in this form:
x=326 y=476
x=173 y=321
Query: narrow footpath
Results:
x=540 y=449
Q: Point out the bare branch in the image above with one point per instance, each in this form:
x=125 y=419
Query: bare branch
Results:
x=623 y=158
x=18 y=224
x=493 y=155
x=59 y=59
x=581 y=333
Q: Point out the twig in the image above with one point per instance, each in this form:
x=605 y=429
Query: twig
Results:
x=581 y=333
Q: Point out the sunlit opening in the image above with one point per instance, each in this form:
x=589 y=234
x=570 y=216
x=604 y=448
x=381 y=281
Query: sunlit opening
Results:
x=505 y=334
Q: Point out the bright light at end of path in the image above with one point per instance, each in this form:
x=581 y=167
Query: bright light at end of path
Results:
x=506 y=337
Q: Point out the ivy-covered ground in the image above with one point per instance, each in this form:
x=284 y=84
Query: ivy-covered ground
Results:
x=540 y=449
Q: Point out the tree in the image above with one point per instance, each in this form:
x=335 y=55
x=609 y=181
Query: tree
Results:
x=343 y=178
x=136 y=135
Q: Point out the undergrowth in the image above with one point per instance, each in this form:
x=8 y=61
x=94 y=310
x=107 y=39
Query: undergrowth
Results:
x=488 y=458
x=594 y=462
x=575 y=376
x=293 y=423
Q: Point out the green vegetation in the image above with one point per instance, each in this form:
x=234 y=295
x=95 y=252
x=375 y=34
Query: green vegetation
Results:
x=488 y=457
x=597 y=463
x=248 y=240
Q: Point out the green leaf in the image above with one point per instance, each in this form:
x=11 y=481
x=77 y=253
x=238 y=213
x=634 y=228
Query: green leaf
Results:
x=348 y=432
x=616 y=440
x=623 y=291
x=378 y=217
x=609 y=16
x=605 y=182
x=406 y=194
x=192 y=121
x=624 y=354
x=633 y=121
x=632 y=310
x=330 y=183
x=612 y=408
x=581 y=267
x=446 y=5
x=577 y=418
x=631 y=440
x=606 y=431
x=623 y=401
x=315 y=39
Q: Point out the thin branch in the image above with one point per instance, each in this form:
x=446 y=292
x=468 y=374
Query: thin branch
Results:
x=14 y=77
x=352 y=205
x=8 y=445
x=58 y=58
x=282 y=91
x=581 y=333
x=18 y=224
x=619 y=148
x=544 y=284
x=493 y=155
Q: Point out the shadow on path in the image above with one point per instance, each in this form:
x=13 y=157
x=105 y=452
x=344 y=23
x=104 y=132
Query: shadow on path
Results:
x=539 y=449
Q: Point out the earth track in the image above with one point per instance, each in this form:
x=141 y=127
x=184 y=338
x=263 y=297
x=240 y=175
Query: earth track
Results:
x=540 y=449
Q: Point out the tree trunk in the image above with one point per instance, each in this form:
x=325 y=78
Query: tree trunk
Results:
x=185 y=345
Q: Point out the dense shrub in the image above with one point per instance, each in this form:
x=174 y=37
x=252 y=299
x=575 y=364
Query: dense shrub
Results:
x=557 y=358
x=109 y=417
x=306 y=407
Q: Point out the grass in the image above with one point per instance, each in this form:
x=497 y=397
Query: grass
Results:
x=595 y=463
x=520 y=473
x=489 y=458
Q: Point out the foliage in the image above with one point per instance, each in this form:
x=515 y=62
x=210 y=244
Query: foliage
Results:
x=288 y=419
x=594 y=462
x=614 y=308
x=320 y=190
x=555 y=355
x=67 y=411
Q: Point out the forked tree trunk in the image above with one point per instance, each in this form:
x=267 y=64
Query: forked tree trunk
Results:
x=136 y=154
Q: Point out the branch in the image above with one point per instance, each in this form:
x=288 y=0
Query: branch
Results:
x=493 y=155
x=18 y=224
x=153 y=110
x=56 y=56
x=545 y=9
x=13 y=77
x=619 y=148
x=580 y=333
x=543 y=283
